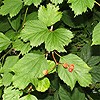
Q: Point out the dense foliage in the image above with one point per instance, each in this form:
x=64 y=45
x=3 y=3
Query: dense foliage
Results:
x=49 y=50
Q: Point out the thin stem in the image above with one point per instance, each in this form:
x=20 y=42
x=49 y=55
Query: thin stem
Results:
x=57 y=54
x=6 y=54
x=24 y=19
x=89 y=97
x=97 y=3
x=54 y=58
x=19 y=54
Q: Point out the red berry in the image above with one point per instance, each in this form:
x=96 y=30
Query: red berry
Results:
x=45 y=72
x=72 y=66
x=65 y=65
x=70 y=69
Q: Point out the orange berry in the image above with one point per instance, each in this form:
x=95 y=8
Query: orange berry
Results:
x=70 y=69
x=45 y=72
x=65 y=65
x=72 y=66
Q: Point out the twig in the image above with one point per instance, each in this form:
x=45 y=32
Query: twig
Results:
x=89 y=97
x=57 y=54
x=97 y=3
x=6 y=53
x=24 y=20
x=19 y=54
x=54 y=58
x=24 y=17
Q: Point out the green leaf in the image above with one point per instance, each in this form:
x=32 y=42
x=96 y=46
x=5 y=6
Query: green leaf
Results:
x=11 y=7
x=75 y=22
x=15 y=22
x=51 y=66
x=85 y=53
x=35 y=2
x=7 y=77
x=56 y=1
x=63 y=94
x=80 y=72
x=9 y=63
x=96 y=35
x=19 y=45
x=56 y=95
x=49 y=15
x=4 y=24
x=97 y=15
x=37 y=32
x=57 y=39
x=23 y=79
x=94 y=60
x=80 y=6
x=28 y=68
x=43 y=84
x=49 y=98
x=32 y=16
x=95 y=73
x=4 y=42
x=28 y=97
x=76 y=95
x=11 y=34
x=11 y=94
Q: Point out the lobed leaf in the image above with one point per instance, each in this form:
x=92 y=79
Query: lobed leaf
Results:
x=19 y=45
x=28 y=69
x=11 y=94
x=80 y=72
x=49 y=15
x=36 y=32
x=29 y=2
x=9 y=63
x=56 y=1
x=11 y=7
x=80 y=6
x=57 y=39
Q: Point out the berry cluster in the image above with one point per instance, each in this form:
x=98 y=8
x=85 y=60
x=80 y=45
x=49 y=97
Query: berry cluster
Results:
x=70 y=67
